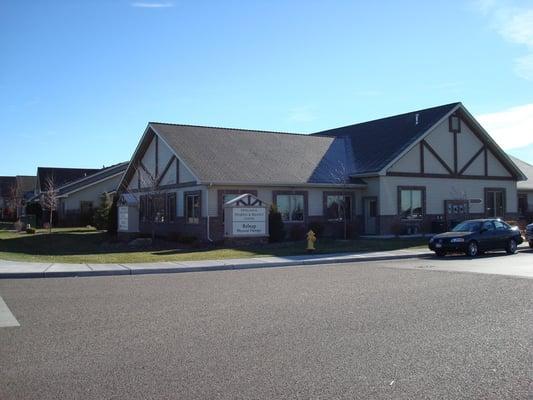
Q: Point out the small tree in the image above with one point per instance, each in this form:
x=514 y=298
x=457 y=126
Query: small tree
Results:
x=49 y=199
x=339 y=175
x=275 y=225
x=101 y=215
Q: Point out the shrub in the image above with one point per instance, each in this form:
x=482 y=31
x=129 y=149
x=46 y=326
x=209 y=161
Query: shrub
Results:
x=35 y=209
x=397 y=228
x=297 y=232
x=316 y=227
x=275 y=225
x=19 y=226
x=30 y=231
x=112 y=217
x=185 y=239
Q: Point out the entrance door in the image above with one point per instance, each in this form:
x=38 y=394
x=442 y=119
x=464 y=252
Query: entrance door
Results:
x=371 y=213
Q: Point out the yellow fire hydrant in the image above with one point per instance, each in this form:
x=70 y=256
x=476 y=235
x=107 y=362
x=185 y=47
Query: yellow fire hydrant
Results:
x=311 y=239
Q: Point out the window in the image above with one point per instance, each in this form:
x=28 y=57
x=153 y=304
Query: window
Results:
x=143 y=208
x=158 y=208
x=152 y=208
x=192 y=208
x=494 y=203
x=522 y=204
x=338 y=207
x=291 y=207
x=501 y=226
x=488 y=226
x=411 y=203
x=171 y=207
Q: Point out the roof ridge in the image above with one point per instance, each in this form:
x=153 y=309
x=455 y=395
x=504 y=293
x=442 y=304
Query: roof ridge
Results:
x=390 y=116
x=230 y=129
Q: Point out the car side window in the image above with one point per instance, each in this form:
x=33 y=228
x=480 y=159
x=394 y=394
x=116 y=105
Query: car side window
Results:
x=500 y=226
x=487 y=225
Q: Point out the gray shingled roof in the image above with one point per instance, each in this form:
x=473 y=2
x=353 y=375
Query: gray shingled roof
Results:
x=62 y=176
x=527 y=169
x=93 y=178
x=222 y=155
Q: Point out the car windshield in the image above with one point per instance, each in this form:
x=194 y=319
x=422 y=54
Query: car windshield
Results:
x=467 y=226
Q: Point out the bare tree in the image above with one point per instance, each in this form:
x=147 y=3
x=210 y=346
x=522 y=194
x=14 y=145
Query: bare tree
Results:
x=49 y=199
x=12 y=200
x=339 y=175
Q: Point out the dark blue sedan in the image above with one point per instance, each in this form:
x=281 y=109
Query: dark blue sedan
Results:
x=476 y=236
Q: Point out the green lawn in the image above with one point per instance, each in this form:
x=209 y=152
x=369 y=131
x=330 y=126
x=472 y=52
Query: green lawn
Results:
x=84 y=245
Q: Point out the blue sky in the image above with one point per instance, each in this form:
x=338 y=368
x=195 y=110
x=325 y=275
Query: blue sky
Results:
x=79 y=80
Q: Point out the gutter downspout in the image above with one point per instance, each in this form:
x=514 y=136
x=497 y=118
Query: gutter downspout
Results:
x=207 y=207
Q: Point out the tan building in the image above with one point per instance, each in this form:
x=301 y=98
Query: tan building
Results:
x=417 y=172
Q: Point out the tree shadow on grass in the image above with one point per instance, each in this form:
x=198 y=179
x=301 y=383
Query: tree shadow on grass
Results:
x=72 y=242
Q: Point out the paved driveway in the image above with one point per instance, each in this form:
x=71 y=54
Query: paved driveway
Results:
x=335 y=331
x=497 y=263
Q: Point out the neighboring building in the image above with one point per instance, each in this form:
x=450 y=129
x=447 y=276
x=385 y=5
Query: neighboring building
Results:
x=59 y=176
x=79 y=191
x=14 y=192
x=79 y=199
x=409 y=173
x=7 y=201
x=525 y=189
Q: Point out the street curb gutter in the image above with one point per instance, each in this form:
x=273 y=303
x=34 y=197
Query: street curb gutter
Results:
x=204 y=268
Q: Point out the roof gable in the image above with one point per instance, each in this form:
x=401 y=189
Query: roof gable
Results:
x=375 y=144
x=527 y=170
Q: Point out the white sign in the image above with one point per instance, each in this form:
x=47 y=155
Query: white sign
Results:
x=123 y=218
x=249 y=221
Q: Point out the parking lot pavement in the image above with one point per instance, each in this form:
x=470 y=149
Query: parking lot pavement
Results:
x=496 y=263
x=355 y=331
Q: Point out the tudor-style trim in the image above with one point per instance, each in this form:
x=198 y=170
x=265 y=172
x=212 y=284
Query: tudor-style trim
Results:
x=475 y=127
x=453 y=176
x=165 y=170
x=455 y=156
x=383 y=171
x=130 y=171
x=149 y=133
x=435 y=154
x=486 y=160
x=177 y=170
x=167 y=187
x=156 y=169
x=496 y=150
x=472 y=159
x=195 y=176
x=422 y=167
x=303 y=193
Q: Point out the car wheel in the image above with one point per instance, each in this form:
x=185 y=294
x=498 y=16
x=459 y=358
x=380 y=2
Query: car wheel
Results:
x=472 y=249
x=531 y=244
x=440 y=253
x=511 y=246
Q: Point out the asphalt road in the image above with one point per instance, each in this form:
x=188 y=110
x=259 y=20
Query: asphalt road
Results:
x=360 y=331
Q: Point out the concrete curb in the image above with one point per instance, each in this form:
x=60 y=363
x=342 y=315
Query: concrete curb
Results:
x=84 y=270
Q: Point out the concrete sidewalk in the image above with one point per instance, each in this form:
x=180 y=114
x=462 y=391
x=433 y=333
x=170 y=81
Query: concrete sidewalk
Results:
x=17 y=269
